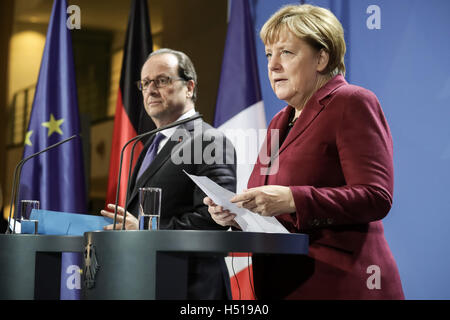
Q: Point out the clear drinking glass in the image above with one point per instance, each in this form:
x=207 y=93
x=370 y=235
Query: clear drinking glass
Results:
x=149 y=208
x=27 y=225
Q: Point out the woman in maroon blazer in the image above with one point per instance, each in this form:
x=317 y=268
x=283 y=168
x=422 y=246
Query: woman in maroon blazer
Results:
x=332 y=176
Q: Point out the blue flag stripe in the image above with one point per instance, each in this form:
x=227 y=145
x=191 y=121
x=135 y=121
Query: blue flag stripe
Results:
x=239 y=81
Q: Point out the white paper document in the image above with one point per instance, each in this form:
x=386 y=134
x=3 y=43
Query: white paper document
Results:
x=247 y=220
x=18 y=226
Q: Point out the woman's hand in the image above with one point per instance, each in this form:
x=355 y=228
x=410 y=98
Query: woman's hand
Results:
x=219 y=215
x=131 y=221
x=266 y=200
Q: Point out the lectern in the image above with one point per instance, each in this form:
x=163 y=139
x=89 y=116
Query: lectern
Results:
x=125 y=264
x=153 y=264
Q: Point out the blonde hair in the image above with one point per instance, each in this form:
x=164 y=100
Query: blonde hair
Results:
x=317 y=26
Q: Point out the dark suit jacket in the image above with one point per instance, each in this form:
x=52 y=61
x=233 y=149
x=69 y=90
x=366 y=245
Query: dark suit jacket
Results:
x=182 y=201
x=337 y=161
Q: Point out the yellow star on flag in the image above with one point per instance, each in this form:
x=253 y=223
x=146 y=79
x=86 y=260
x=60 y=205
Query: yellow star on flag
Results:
x=27 y=138
x=53 y=125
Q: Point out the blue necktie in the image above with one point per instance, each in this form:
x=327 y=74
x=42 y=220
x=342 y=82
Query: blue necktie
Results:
x=151 y=154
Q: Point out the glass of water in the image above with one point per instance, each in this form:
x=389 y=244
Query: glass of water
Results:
x=149 y=208
x=27 y=225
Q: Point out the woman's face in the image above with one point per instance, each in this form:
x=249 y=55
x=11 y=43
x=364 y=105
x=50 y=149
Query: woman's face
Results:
x=293 y=67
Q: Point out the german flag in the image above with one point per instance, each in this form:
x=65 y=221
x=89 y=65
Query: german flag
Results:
x=131 y=118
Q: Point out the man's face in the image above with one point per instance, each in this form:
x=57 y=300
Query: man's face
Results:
x=165 y=105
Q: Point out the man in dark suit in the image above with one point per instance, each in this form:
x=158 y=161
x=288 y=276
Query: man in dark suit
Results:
x=169 y=88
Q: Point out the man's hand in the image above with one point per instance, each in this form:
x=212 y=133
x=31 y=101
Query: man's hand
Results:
x=132 y=222
x=219 y=215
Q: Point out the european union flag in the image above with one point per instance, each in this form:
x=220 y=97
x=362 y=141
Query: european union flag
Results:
x=55 y=178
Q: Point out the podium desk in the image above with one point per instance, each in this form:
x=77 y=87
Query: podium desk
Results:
x=27 y=260
x=153 y=264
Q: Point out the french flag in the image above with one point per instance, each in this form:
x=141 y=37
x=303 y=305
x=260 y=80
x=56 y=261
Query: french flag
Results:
x=240 y=115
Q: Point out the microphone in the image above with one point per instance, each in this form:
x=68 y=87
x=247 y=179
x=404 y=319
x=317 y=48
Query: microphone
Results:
x=137 y=139
x=16 y=182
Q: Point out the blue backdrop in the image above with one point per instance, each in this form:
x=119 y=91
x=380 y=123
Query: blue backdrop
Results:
x=400 y=51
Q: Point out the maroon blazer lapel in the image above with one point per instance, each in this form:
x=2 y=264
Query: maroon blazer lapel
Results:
x=310 y=112
x=312 y=109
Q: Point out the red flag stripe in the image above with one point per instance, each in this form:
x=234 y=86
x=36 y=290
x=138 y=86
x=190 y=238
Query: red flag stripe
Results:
x=123 y=131
x=241 y=287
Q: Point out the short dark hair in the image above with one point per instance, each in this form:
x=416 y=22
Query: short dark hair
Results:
x=186 y=68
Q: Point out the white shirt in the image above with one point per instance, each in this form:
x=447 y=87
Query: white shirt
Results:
x=169 y=132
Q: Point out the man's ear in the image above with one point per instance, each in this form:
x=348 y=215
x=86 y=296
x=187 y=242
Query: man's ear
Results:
x=191 y=86
x=323 y=59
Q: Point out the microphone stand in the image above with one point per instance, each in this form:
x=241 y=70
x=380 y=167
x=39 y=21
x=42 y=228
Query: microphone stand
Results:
x=16 y=182
x=137 y=139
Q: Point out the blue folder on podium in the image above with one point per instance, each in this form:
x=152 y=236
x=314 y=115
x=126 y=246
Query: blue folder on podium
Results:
x=65 y=223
